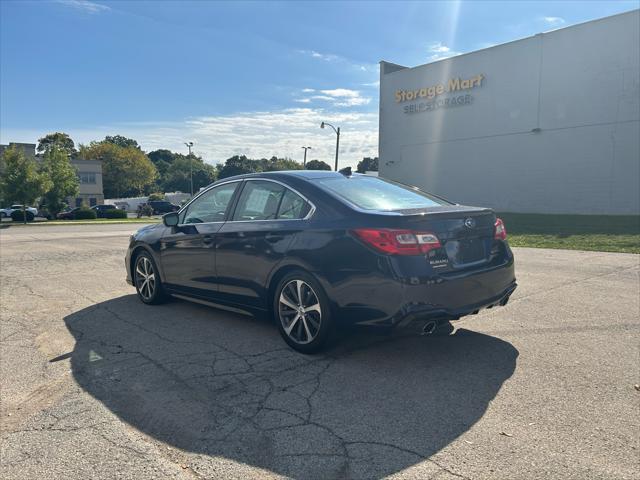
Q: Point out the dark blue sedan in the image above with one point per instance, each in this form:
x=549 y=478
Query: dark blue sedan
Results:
x=315 y=249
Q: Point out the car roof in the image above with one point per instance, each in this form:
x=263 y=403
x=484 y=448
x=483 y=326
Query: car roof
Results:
x=283 y=174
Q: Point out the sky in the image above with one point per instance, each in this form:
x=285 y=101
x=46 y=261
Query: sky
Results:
x=246 y=78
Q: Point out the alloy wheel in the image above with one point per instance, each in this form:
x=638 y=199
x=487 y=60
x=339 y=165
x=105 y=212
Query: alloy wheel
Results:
x=300 y=312
x=145 y=278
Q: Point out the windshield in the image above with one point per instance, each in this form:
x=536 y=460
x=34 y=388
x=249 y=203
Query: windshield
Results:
x=372 y=193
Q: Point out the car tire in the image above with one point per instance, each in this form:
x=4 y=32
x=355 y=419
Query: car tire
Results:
x=306 y=325
x=147 y=280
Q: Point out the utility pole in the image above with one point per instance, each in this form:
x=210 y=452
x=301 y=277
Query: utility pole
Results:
x=189 y=145
x=337 y=147
x=305 y=155
x=337 y=130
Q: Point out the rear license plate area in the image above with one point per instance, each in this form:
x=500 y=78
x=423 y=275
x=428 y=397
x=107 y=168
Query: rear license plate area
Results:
x=468 y=250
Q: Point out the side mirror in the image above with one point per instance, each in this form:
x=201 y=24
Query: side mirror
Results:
x=170 y=219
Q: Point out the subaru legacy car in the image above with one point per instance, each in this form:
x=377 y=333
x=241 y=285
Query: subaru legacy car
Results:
x=315 y=250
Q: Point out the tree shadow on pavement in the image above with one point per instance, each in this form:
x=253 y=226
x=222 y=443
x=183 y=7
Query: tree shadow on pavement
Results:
x=219 y=384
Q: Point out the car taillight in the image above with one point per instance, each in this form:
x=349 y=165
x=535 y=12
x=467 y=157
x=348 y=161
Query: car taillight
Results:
x=398 y=242
x=500 y=232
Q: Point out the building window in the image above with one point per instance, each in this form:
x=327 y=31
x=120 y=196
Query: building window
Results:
x=92 y=202
x=78 y=201
x=87 y=178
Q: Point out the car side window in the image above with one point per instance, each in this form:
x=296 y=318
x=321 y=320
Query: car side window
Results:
x=210 y=206
x=259 y=201
x=293 y=206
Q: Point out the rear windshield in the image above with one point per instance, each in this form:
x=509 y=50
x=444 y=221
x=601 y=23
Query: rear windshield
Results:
x=372 y=193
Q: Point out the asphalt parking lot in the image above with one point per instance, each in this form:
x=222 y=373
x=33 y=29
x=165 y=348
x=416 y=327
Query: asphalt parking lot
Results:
x=97 y=385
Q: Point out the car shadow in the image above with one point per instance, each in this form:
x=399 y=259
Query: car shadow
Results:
x=224 y=385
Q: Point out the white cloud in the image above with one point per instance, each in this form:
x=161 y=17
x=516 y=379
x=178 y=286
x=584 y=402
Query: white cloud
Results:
x=438 y=47
x=347 y=98
x=339 y=97
x=439 y=51
x=332 y=58
x=353 y=102
x=341 y=92
x=255 y=134
x=327 y=57
x=85 y=5
x=554 y=21
x=322 y=97
x=282 y=133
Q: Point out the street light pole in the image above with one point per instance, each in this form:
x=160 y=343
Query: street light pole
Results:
x=189 y=145
x=337 y=140
x=305 y=155
x=337 y=147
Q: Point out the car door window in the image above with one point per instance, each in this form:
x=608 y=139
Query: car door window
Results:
x=210 y=206
x=259 y=201
x=292 y=206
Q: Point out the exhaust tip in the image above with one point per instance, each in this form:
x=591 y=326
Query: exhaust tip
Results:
x=429 y=328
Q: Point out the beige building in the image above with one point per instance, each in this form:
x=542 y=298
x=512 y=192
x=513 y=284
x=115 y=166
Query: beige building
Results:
x=89 y=176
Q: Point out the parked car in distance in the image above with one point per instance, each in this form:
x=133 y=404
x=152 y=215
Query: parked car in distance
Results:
x=6 y=212
x=316 y=249
x=100 y=209
x=161 y=207
x=68 y=214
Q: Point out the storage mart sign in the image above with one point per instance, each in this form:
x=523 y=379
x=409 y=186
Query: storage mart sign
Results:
x=430 y=94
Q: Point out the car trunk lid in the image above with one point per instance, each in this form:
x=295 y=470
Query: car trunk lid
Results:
x=466 y=234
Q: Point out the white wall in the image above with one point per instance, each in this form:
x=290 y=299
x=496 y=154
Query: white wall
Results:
x=580 y=86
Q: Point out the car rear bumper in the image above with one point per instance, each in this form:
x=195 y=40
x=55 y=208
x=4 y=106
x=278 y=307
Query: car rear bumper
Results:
x=422 y=313
x=391 y=298
x=449 y=297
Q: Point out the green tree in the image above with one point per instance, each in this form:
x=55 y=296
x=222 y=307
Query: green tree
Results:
x=237 y=165
x=162 y=159
x=21 y=181
x=274 y=164
x=161 y=155
x=240 y=164
x=125 y=170
x=64 y=179
x=317 y=165
x=163 y=168
x=177 y=177
x=122 y=141
x=368 y=164
x=58 y=140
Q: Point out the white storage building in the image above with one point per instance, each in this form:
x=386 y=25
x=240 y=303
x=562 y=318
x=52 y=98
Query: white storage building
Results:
x=546 y=124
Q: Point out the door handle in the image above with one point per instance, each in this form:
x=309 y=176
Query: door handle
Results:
x=207 y=240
